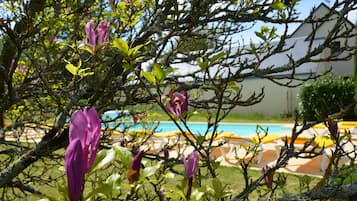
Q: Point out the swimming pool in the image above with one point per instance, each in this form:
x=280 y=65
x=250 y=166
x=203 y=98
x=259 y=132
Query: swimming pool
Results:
x=236 y=128
x=241 y=129
x=200 y=128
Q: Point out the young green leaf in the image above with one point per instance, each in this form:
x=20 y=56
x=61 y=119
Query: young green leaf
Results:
x=278 y=5
x=158 y=72
x=103 y=158
x=217 y=57
x=149 y=77
x=124 y=156
x=135 y=50
x=122 y=46
x=203 y=63
x=72 y=69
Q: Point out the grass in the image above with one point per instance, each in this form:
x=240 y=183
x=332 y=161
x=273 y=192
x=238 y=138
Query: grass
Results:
x=48 y=174
x=229 y=176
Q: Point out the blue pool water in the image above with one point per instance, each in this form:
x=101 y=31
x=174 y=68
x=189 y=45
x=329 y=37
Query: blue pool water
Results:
x=241 y=129
x=237 y=129
x=200 y=128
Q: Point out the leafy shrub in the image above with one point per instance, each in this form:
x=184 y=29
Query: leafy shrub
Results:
x=326 y=96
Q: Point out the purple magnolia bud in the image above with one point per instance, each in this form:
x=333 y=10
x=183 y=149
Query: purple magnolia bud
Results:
x=90 y=34
x=190 y=164
x=102 y=31
x=135 y=165
x=122 y=143
x=94 y=129
x=12 y=64
x=86 y=126
x=332 y=126
x=268 y=177
x=178 y=103
x=184 y=107
x=135 y=118
x=134 y=171
x=138 y=68
x=166 y=153
x=74 y=169
x=162 y=193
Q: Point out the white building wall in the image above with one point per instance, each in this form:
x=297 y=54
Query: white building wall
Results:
x=278 y=100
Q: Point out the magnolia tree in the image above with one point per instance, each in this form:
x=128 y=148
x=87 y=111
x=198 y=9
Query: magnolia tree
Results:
x=64 y=63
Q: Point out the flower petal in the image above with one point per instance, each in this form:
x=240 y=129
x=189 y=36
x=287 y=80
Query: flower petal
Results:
x=93 y=137
x=74 y=169
x=78 y=127
x=103 y=34
x=90 y=33
x=190 y=164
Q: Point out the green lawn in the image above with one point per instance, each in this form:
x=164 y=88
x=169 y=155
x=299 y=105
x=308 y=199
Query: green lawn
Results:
x=52 y=174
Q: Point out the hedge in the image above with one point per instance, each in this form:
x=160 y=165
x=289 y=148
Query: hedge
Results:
x=326 y=96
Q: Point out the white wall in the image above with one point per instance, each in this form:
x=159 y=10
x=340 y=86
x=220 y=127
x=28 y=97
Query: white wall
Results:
x=278 y=100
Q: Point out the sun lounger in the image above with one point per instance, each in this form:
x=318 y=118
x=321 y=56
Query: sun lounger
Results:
x=320 y=142
x=170 y=138
x=235 y=142
x=219 y=136
x=343 y=127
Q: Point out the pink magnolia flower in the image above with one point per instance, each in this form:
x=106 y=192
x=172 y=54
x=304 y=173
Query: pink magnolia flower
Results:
x=74 y=169
x=137 y=117
x=268 y=177
x=53 y=39
x=190 y=164
x=90 y=34
x=84 y=135
x=72 y=93
x=178 y=103
x=85 y=126
x=99 y=38
x=102 y=31
x=22 y=69
x=134 y=171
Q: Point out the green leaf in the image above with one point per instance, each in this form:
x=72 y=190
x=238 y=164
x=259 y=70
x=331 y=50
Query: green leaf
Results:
x=202 y=63
x=149 y=171
x=72 y=69
x=278 y=5
x=103 y=158
x=148 y=76
x=217 y=186
x=260 y=35
x=158 y=72
x=87 y=48
x=122 y=46
x=102 y=189
x=197 y=195
x=114 y=181
x=234 y=85
x=217 y=57
x=124 y=156
x=135 y=50
x=84 y=72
